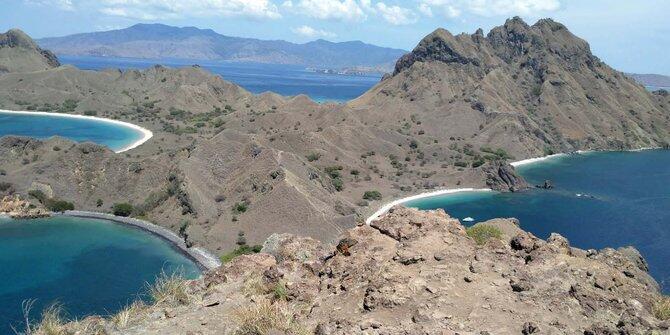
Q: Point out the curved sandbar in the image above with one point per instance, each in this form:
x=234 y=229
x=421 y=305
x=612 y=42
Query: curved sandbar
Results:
x=146 y=133
x=201 y=257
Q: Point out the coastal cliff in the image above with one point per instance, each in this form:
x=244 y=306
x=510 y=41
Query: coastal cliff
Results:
x=411 y=272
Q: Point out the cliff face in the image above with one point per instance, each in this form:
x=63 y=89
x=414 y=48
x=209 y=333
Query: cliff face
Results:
x=528 y=89
x=414 y=272
x=19 y=53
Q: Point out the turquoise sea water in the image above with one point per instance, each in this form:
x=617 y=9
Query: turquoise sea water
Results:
x=257 y=78
x=89 y=266
x=112 y=135
x=600 y=199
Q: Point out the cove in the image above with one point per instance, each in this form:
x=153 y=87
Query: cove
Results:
x=116 y=135
x=600 y=199
x=89 y=266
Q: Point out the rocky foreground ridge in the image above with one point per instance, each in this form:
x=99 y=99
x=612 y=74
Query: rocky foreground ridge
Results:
x=412 y=272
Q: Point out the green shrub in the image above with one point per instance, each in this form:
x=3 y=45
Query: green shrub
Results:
x=479 y=161
x=240 y=207
x=333 y=171
x=37 y=194
x=313 y=157
x=372 y=195
x=242 y=250
x=338 y=184
x=280 y=292
x=482 y=233
x=59 y=205
x=122 y=209
x=90 y=113
x=461 y=164
x=99 y=203
x=661 y=309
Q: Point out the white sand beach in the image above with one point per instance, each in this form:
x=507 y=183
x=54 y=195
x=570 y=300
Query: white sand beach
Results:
x=146 y=133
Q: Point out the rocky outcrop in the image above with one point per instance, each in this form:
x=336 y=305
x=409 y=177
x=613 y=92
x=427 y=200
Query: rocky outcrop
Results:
x=19 y=53
x=18 y=208
x=501 y=176
x=414 y=272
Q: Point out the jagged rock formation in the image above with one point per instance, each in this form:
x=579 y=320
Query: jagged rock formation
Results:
x=416 y=272
x=527 y=89
x=501 y=176
x=19 y=53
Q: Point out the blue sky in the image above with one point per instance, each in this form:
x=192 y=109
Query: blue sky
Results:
x=630 y=35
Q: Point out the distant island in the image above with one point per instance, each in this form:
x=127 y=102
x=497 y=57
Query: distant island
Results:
x=652 y=80
x=159 y=41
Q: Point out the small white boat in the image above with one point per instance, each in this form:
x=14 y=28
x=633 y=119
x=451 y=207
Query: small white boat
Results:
x=468 y=219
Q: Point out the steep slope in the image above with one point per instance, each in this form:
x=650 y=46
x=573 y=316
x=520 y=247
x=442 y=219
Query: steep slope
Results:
x=526 y=89
x=161 y=41
x=19 y=53
x=457 y=109
x=411 y=272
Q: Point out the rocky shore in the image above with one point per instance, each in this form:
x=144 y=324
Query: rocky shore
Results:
x=414 y=272
x=17 y=208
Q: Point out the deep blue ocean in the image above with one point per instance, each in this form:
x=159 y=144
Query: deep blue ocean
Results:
x=88 y=266
x=112 y=135
x=286 y=80
x=609 y=199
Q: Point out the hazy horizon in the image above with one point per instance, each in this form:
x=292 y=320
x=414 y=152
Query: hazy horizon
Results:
x=607 y=25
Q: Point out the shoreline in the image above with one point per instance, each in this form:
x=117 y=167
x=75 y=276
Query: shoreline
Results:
x=389 y=205
x=515 y=164
x=201 y=257
x=146 y=133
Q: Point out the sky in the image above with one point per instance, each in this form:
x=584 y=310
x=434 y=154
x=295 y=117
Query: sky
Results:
x=631 y=36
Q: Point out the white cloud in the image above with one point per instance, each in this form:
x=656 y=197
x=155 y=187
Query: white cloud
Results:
x=161 y=9
x=396 y=15
x=344 y=10
x=425 y=10
x=454 y=8
x=452 y=12
x=62 y=4
x=308 y=31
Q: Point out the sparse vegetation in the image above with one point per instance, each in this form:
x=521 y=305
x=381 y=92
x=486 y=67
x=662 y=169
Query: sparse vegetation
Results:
x=60 y=205
x=496 y=153
x=51 y=322
x=313 y=157
x=240 y=207
x=169 y=289
x=265 y=316
x=128 y=315
x=280 y=292
x=242 y=250
x=122 y=209
x=482 y=233
x=372 y=195
x=54 y=205
x=661 y=309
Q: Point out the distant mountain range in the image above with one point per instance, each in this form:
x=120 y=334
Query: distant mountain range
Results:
x=159 y=41
x=654 y=80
